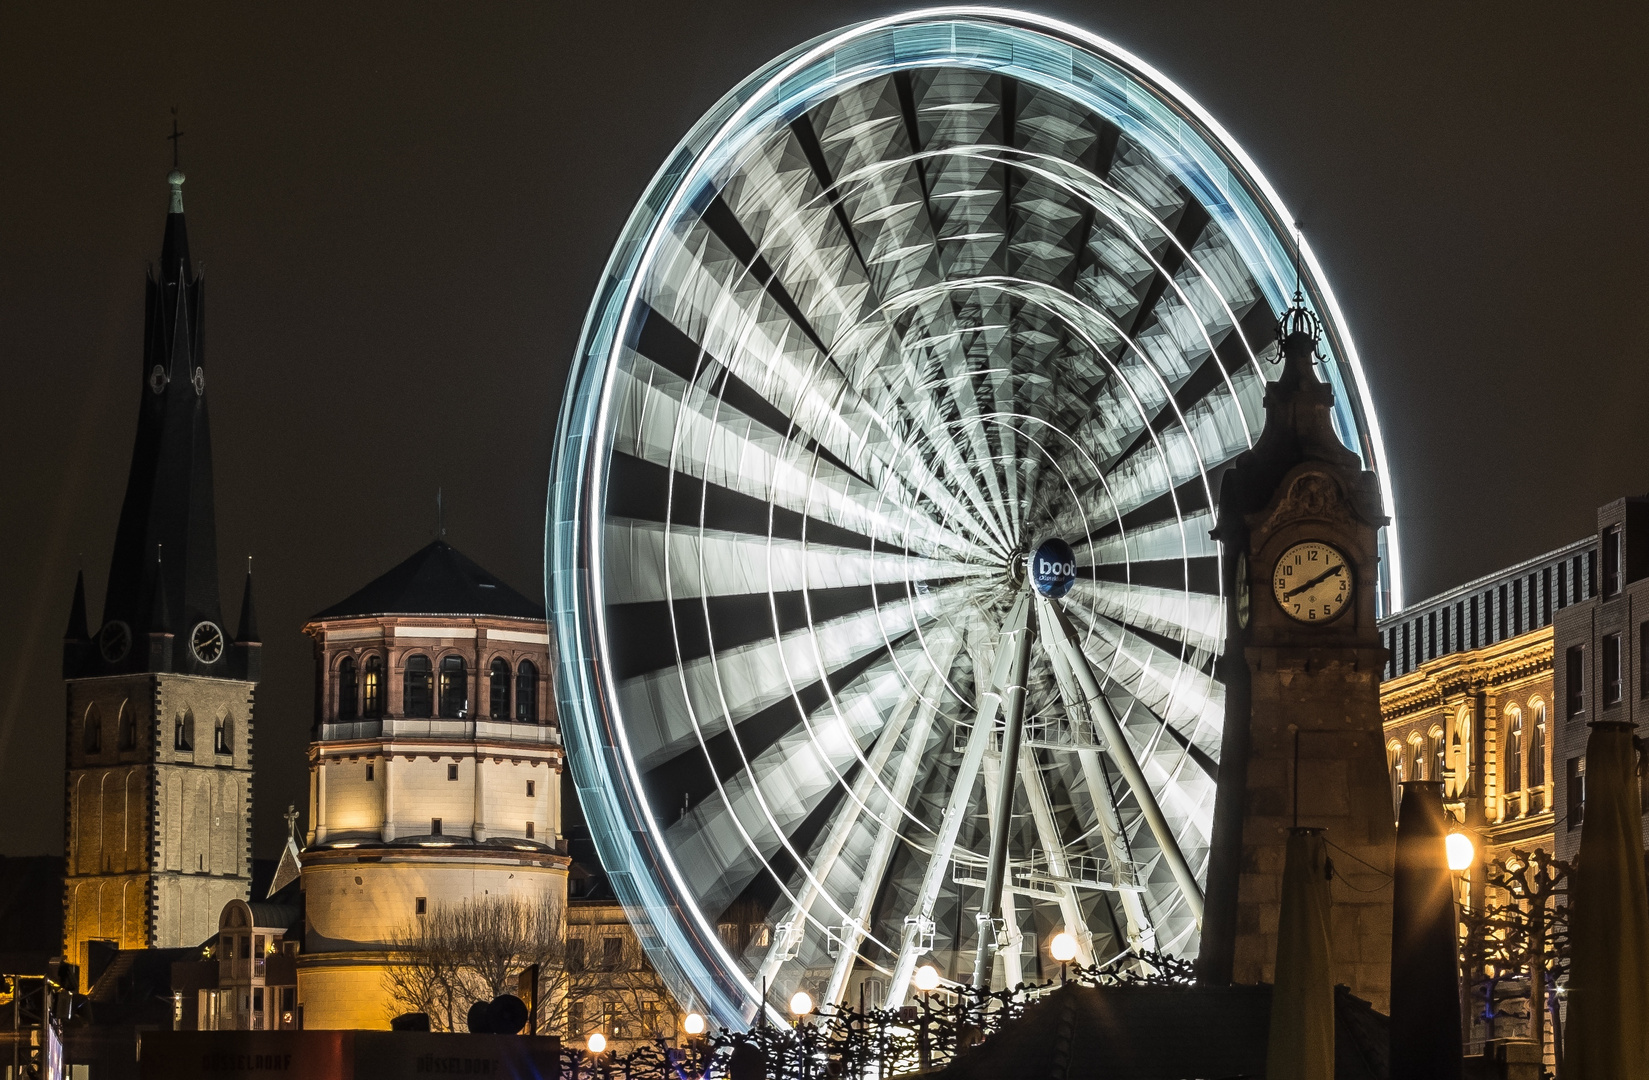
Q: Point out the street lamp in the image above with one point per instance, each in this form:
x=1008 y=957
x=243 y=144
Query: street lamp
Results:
x=927 y=978
x=1461 y=852
x=693 y=1025
x=597 y=1043
x=1063 y=949
x=801 y=1003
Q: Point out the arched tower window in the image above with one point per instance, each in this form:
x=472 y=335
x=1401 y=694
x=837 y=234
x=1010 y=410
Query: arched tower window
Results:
x=92 y=739
x=454 y=687
x=418 y=699
x=526 y=692
x=347 y=701
x=499 y=678
x=1514 y=752
x=372 y=688
x=183 y=732
x=223 y=737
x=128 y=728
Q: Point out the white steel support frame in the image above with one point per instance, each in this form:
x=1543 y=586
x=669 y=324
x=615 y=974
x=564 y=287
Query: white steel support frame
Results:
x=1063 y=636
x=1017 y=641
x=1141 y=934
x=967 y=774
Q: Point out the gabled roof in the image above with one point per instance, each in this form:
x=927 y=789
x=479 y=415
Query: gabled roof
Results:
x=437 y=580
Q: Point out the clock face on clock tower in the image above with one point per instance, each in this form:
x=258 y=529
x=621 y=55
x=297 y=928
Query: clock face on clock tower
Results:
x=1312 y=582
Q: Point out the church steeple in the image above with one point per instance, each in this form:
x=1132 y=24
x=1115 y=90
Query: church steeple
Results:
x=165 y=555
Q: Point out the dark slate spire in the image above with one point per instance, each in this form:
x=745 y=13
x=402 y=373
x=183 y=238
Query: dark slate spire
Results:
x=168 y=505
x=78 y=629
x=248 y=614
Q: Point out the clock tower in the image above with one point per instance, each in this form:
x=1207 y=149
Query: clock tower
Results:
x=1298 y=523
x=159 y=726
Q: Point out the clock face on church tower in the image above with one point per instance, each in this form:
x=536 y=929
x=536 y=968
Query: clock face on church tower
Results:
x=1312 y=582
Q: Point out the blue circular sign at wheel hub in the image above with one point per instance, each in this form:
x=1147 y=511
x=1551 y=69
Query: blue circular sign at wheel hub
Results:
x=1053 y=568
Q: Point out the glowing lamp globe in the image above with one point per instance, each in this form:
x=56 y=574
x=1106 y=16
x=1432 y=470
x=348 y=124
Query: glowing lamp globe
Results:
x=1461 y=852
x=694 y=1024
x=927 y=978
x=802 y=1003
x=597 y=1043
x=1063 y=947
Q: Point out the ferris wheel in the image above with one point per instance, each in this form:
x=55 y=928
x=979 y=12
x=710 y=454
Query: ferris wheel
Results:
x=879 y=561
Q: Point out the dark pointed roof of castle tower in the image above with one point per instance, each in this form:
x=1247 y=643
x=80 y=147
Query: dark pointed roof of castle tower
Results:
x=168 y=505
x=436 y=580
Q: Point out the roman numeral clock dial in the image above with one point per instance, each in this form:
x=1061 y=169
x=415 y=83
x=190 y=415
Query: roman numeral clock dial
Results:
x=1312 y=582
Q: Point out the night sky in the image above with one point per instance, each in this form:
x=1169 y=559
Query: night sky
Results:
x=402 y=211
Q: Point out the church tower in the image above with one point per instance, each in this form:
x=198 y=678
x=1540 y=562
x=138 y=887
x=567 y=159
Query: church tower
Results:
x=1298 y=521
x=159 y=739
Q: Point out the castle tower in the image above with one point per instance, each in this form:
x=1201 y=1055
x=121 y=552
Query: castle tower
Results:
x=159 y=725
x=1298 y=521
x=435 y=773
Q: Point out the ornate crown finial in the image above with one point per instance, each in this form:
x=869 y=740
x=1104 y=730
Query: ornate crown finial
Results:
x=1298 y=319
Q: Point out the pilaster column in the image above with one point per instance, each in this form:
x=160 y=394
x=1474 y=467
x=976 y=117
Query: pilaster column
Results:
x=386 y=832
x=479 y=829
x=320 y=798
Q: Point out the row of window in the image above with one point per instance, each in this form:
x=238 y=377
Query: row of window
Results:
x=1440 y=757
x=1495 y=613
x=1612 y=684
x=183 y=732
x=428 y=691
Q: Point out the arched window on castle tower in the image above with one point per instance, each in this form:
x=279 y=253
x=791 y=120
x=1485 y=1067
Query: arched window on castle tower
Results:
x=499 y=678
x=417 y=686
x=128 y=728
x=183 y=732
x=347 y=700
x=454 y=687
x=526 y=692
x=372 y=688
x=92 y=740
x=223 y=736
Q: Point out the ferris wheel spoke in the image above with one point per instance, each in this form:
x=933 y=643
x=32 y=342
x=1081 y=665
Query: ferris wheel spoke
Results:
x=669 y=709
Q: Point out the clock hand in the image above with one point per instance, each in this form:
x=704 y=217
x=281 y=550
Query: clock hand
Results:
x=1297 y=590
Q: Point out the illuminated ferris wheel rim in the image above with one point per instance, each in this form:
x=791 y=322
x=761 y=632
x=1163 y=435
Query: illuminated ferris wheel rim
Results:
x=648 y=879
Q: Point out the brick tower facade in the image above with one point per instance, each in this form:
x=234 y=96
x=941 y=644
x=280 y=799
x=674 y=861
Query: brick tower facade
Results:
x=159 y=725
x=1299 y=521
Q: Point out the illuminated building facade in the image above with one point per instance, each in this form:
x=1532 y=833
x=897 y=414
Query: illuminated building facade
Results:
x=435 y=771
x=1468 y=696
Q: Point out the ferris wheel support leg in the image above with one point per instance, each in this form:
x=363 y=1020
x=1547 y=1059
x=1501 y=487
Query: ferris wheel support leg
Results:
x=961 y=795
x=1063 y=634
x=1141 y=935
x=1013 y=721
x=1070 y=906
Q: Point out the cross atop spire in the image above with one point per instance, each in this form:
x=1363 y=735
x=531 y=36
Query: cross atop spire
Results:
x=174 y=137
